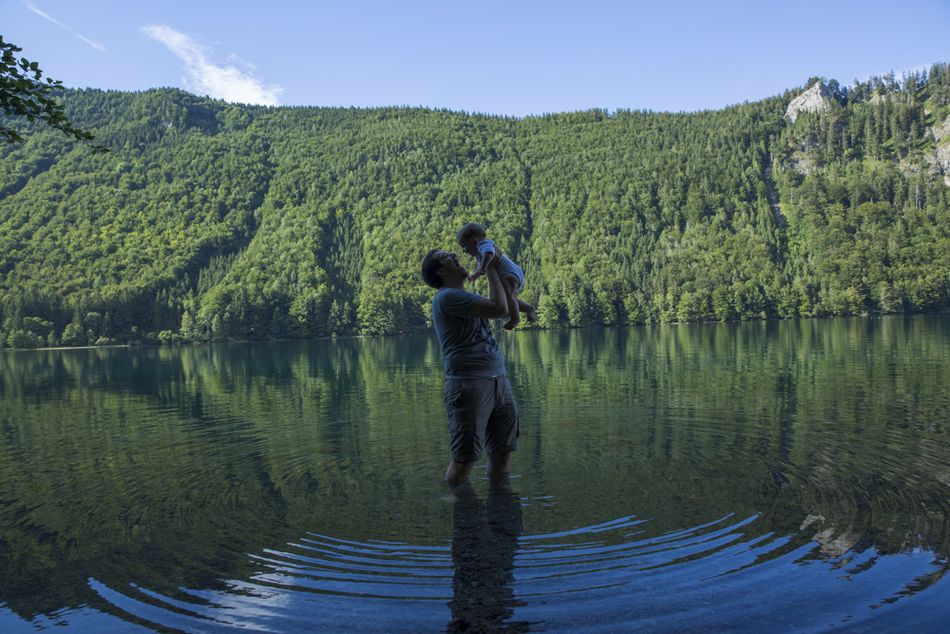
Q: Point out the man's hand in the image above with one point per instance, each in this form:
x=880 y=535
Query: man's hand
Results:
x=489 y=261
x=496 y=304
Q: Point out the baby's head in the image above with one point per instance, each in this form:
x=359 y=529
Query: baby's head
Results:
x=469 y=236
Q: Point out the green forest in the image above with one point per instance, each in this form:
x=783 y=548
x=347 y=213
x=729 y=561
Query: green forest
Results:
x=212 y=221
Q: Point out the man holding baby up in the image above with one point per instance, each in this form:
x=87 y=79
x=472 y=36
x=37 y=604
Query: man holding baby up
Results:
x=478 y=398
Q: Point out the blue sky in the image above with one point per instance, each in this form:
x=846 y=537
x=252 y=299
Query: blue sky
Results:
x=513 y=58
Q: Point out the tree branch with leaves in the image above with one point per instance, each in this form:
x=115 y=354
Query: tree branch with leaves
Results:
x=25 y=93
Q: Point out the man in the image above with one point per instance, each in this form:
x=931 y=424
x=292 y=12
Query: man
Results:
x=477 y=395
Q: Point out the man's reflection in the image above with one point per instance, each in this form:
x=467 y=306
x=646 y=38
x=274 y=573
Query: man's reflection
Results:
x=484 y=541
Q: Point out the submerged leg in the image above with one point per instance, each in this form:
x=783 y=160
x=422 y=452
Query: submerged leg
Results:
x=498 y=467
x=457 y=473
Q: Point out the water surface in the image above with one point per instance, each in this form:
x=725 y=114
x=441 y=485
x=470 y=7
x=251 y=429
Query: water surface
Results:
x=782 y=476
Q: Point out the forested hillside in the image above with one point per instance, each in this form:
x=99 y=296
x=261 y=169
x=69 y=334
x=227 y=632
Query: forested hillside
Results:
x=208 y=220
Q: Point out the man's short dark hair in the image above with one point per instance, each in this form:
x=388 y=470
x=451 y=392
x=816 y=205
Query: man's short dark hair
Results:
x=430 y=264
x=470 y=230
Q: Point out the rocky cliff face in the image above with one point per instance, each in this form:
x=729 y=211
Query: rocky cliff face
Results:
x=942 y=155
x=816 y=99
x=941 y=131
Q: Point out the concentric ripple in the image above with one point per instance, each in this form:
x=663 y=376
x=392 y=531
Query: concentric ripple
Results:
x=607 y=576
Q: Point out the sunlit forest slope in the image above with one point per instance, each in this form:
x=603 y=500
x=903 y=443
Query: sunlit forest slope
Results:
x=208 y=220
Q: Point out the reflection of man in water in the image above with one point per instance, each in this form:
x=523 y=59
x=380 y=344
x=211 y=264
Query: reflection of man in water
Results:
x=484 y=541
x=477 y=395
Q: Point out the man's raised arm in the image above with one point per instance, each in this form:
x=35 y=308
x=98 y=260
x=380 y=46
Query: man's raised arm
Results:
x=495 y=305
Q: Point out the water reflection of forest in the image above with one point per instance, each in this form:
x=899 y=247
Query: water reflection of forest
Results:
x=114 y=459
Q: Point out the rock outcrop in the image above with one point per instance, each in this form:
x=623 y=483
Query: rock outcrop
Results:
x=941 y=131
x=941 y=157
x=817 y=98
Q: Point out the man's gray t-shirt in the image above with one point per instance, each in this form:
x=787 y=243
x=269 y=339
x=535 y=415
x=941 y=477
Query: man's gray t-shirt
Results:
x=468 y=349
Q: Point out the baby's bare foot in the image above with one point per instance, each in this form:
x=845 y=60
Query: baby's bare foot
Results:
x=532 y=315
x=511 y=324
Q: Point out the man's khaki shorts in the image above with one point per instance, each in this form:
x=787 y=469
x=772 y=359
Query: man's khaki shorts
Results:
x=481 y=413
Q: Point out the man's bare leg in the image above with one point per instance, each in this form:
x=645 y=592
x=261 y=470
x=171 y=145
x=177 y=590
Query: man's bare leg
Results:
x=457 y=473
x=498 y=467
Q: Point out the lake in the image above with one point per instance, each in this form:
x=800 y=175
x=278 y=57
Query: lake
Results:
x=761 y=476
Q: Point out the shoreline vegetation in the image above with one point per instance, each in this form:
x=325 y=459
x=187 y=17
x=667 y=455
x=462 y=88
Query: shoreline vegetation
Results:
x=186 y=342
x=212 y=221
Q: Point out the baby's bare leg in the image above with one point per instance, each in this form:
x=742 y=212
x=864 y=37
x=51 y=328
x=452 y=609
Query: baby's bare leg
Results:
x=510 y=285
x=527 y=309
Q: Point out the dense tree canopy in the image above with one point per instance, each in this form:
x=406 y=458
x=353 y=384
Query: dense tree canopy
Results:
x=208 y=220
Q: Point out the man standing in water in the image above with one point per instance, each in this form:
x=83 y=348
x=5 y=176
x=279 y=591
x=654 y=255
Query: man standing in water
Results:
x=477 y=395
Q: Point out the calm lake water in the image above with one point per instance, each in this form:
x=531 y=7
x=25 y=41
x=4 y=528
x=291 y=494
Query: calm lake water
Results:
x=782 y=476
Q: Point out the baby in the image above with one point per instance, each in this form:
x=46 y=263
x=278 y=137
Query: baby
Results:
x=473 y=240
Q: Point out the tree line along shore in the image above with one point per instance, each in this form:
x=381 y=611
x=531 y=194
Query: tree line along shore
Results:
x=208 y=221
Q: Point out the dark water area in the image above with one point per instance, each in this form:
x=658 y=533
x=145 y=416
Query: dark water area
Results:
x=779 y=476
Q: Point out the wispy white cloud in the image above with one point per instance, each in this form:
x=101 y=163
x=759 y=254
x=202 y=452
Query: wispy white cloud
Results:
x=202 y=76
x=47 y=16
